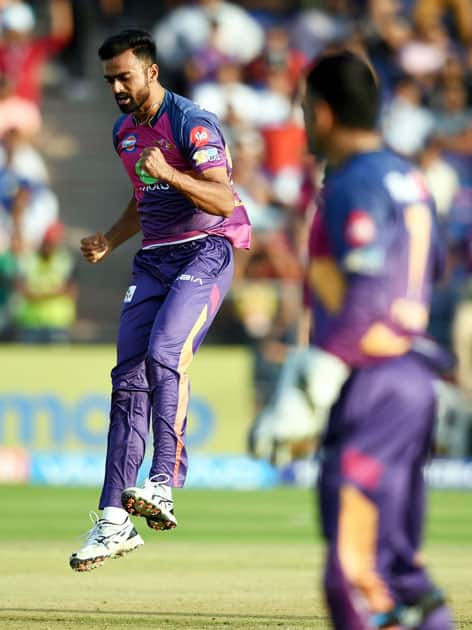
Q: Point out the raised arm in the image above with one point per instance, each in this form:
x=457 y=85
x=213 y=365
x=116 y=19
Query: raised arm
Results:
x=210 y=191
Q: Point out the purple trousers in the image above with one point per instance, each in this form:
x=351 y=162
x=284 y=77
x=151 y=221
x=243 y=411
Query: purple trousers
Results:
x=175 y=293
x=372 y=495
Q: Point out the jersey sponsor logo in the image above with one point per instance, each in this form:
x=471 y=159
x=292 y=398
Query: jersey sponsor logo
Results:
x=129 y=293
x=144 y=175
x=368 y=260
x=129 y=144
x=154 y=187
x=206 y=155
x=199 y=136
x=360 y=229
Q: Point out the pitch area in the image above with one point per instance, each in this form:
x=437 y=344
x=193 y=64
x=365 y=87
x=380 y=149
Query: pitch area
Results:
x=237 y=560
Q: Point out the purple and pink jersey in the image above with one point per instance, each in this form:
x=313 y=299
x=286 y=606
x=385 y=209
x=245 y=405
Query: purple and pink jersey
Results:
x=191 y=141
x=375 y=236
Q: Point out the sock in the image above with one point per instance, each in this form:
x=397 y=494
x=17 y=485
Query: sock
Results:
x=115 y=515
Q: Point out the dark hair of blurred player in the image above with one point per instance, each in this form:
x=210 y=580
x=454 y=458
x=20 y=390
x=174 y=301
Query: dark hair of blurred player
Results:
x=341 y=95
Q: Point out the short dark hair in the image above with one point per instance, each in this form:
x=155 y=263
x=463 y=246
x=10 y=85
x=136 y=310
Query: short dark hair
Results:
x=140 y=42
x=348 y=84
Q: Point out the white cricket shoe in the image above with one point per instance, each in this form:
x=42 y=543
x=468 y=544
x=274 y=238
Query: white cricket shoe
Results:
x=105 y=540
x=153 y=501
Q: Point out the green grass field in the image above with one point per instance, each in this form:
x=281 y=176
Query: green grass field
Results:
x=237 y=560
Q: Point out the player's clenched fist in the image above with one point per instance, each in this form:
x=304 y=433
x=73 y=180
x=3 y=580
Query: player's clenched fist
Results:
x=95 y=247
x=155 y=164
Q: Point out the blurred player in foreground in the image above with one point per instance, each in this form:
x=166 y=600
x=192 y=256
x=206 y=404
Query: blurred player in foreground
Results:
x=374 y=254
x=184 y=203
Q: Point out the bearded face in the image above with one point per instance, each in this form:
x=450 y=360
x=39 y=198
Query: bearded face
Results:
x=129 y=78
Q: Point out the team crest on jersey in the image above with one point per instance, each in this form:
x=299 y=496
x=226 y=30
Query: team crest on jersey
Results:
x=199 y=136
x=129 y=144
x=206 y=155
x=164 y=144
x=360 y=229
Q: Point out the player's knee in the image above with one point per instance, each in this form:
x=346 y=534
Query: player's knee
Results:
x=129 y=377
x=160 y=363
x=130 y=409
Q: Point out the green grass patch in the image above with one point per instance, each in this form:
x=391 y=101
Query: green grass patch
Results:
x=237 y=560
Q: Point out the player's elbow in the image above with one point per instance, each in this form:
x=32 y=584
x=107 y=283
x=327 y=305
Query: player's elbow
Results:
x=227 y=211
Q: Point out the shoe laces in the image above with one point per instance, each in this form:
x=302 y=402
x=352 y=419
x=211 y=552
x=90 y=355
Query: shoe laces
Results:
x=97 y=529
x=89 y=534
x=160 y=484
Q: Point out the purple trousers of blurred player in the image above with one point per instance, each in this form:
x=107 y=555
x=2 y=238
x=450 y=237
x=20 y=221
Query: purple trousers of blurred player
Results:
x=175 y=293
x=372 y=494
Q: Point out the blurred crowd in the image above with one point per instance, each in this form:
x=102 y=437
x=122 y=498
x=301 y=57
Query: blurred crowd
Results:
x=38 y=289
x=243 y=61
x=245 y=65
